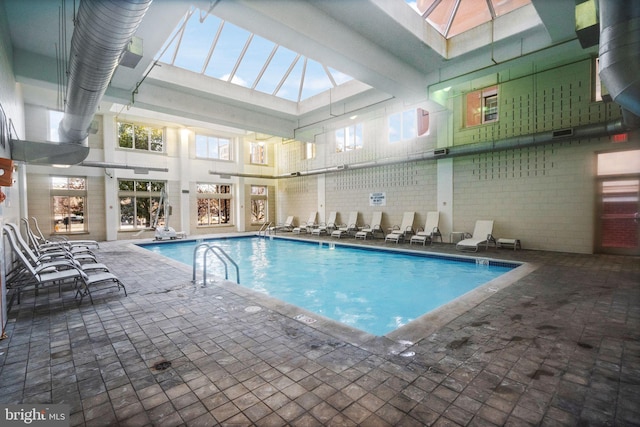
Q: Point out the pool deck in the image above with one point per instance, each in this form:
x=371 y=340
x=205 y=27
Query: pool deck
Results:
x=557 y=342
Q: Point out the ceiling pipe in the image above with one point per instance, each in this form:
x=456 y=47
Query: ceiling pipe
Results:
x=540 y=138
x=523 y=141
x=620 y=55
x=103 y=29
x=137 y=169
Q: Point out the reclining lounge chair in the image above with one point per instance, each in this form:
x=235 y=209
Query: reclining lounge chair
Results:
x=482 y=233
x=351 y=227
x=326 y=227
x=285 y=226
x=307 y=226
x=400 y=233
x=430 y=230
x=372 y=228
x=27 y=275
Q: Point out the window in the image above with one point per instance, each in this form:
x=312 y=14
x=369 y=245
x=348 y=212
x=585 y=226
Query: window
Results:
x=213 y=147
x=139 y=202
x=69 y=197
x=214 y=204
x=600 y=92
x=258 y=153
x=349 y=138
x=140 y=137
x=408 y=125
x=309 y=151
x=482 y=106
x=259 y=200
x=55 y=117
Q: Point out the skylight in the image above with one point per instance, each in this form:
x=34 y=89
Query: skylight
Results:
x=206 y=44
x=452 y=17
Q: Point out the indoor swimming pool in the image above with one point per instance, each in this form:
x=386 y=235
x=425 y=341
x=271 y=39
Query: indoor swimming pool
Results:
x=373 y=290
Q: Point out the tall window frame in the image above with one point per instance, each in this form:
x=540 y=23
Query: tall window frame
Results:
x=407 y=125
x=309 y=151
x=259 y=204
x=213 y=147
x=139 y=201
x=349 y=138
x=140 y=137
x=69 y=204
x=54 y=118
x=258 y=153
x=213 y=204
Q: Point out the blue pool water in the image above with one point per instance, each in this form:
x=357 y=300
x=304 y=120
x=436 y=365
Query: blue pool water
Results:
x=376 y=291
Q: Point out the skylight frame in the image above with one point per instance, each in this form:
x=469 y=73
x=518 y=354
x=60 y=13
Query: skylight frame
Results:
x=309 y=80
x=444 y=27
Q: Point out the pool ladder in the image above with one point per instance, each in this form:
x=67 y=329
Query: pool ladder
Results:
x=220 y=254
x=264 y=230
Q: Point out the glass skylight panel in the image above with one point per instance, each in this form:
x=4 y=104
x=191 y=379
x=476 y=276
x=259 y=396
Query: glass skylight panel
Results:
x=452 y=17
x=505 y=6
x=253 y=61
x=227 y=52
x=469 y=17
x=441 y=15
x=195 y=43
x=205 y=44
x=339 y=77
x=276 y=70
x=316 y=80
x=290 y=88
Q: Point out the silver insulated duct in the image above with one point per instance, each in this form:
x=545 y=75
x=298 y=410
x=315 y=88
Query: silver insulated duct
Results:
x=103 y=30
x=620 y=55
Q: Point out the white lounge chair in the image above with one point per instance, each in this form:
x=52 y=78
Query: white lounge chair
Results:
x=285 y=226
x=430 y=230
x=372 y=228
x=399 y=233
x=307 y=226
x=49 y=252
x=350 y=227
x=40 y=236
x=482 y=233
x=42 y=276
x=51 y=259
x=326 y=227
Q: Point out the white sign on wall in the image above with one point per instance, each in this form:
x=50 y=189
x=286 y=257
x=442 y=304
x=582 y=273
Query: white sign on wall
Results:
x=377 y=199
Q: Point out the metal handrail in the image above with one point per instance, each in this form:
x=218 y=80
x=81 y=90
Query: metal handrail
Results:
x=217 y=251
x=265 y=227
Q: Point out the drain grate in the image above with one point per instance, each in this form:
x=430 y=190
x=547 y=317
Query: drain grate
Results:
x=161 y=366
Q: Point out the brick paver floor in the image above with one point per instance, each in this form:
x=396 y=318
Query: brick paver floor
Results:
x=559 y=346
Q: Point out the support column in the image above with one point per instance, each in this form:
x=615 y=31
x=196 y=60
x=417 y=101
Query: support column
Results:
x=112 y=215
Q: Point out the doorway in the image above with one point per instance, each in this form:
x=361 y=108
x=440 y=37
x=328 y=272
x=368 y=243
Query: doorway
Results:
x=618 y=210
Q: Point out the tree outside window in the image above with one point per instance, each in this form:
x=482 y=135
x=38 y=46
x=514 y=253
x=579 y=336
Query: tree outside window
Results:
x=214 y=204
x=258 y=153
x=139 y=203
x=140 y=137
x=259 y=204
x=68 y=197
